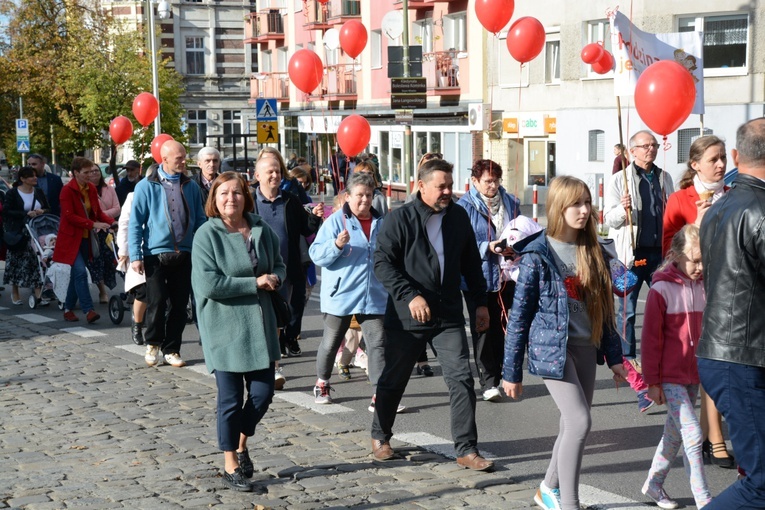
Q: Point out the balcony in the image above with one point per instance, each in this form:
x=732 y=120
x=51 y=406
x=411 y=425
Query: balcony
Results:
x=419 y=4
x=442 y=72
x=263 y=26
x=339 y=83
x=340 y=11
x=276 y=85
x=316 y=16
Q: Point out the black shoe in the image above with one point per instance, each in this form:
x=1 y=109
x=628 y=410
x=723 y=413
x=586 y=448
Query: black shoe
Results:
x=237 y=481
x=425 y=370
x=245 y=463
x=708 y=451
x=295 y=348
x=285 y=351
x=136 y=331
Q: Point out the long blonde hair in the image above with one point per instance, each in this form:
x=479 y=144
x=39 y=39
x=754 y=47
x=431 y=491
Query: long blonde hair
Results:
x=591 y=267
x=681 y=241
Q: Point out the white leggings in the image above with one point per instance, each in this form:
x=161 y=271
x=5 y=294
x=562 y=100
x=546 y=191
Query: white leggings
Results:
x=573 y=396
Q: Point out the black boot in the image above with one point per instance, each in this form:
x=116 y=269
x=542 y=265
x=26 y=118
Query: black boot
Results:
x=137 y=332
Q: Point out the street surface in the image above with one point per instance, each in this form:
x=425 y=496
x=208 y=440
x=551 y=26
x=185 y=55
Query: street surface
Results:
x=175 y=407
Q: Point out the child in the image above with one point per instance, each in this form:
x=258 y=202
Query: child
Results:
x=675 y=304
x=563 y=310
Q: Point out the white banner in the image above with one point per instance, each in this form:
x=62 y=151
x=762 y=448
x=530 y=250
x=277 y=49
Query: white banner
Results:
x=635 y=50
x=319 y=123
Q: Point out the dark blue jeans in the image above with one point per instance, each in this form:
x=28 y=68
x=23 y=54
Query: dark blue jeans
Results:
x=78 y=280
x=644 y=272
x=402 y=349
x=233 y=417
x=739 y=394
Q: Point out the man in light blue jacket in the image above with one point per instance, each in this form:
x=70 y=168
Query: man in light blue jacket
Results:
x=166 y=212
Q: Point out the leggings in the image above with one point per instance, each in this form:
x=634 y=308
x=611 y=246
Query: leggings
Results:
x=573 y=396
x=681 y=429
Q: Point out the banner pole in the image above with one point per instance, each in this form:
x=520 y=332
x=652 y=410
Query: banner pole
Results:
x=624 y=170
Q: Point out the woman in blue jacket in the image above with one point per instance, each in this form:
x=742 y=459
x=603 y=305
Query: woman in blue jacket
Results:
x=343 y=248
x=563 y=312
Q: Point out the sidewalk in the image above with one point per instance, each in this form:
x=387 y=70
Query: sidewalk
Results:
x=90 y=426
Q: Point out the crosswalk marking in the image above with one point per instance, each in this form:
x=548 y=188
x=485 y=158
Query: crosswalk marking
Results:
x=35 y=318
x=83 y=332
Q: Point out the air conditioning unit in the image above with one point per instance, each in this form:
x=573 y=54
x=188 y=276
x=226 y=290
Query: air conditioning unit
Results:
x=478 y=116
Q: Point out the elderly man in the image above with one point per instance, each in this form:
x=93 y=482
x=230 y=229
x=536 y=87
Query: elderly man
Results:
x=731 y=349
x=424 y=249
x=208 y=159
x=127 y=183
x=48 y=182
x=166 y=212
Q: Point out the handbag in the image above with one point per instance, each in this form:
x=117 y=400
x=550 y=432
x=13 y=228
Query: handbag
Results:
x=281 y=309
x=623 y=280
x=94 y=250
x=16 y=241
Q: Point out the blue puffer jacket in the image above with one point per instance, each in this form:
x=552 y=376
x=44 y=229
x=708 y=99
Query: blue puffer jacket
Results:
x=539 y=317
x=348 y=283
x=479 y=219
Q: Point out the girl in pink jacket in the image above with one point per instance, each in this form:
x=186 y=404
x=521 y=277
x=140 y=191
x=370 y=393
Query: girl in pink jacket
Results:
x=675 y=305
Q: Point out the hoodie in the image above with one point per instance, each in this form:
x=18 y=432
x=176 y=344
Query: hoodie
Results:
x=675 y=306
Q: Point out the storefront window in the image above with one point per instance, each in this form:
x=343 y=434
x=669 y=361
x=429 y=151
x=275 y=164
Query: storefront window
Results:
x=384 y=155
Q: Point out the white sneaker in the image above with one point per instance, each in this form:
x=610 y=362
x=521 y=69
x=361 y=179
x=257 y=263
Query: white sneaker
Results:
x=279 y=378
x=321 y=393
x=660 y=497
x=174 y=359
x=492 y=394
x=547 y=498
x=152 y=355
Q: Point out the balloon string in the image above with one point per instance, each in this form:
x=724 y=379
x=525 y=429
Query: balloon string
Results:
x=518 y=132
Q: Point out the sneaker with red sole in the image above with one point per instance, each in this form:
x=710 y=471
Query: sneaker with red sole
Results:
x=92 y=317
x=69 y=316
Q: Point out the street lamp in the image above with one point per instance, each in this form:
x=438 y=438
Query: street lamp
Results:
x=163 y=10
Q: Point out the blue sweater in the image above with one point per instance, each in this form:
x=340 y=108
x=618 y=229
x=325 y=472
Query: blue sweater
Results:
x=150 y=218
x=348 y=284
x=539 y=317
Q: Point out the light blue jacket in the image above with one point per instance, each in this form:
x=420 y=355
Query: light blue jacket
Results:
x=150 y=217
x=479 y=218
x=348 y=283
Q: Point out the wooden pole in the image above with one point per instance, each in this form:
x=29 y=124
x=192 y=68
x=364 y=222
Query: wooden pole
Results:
x=624 y=172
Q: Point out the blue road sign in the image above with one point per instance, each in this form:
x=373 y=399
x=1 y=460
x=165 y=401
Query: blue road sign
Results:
x=266 y=108
x=22 y=146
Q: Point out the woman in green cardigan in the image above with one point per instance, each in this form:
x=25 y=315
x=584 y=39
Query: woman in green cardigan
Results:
x=235 y=265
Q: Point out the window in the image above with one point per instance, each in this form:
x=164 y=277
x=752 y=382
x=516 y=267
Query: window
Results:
x=596 y=145
x=725 y=41
x=331 y=56
x=264 y=62
x=552 y=60
x=685 y=137
x=423 y=34
x=455 y=32
x=282 y=62
x=197 y=127
x=232 y=123
x=599 y=31
x=376 y=49
x=195 y=55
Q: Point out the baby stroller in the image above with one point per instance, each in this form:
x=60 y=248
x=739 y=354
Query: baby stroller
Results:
x=39 y=229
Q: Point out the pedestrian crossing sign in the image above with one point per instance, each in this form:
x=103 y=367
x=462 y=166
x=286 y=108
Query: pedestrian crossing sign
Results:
x=22 y=146
x=266 y=108
x=268 y=132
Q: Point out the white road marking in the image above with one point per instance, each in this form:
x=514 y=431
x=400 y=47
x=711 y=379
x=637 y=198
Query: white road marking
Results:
x=4 y=308
x=35 y=318
x=83 y=332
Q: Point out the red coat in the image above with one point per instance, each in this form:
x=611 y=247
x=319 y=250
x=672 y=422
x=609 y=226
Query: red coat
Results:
x=74 y=220
x=679 y=212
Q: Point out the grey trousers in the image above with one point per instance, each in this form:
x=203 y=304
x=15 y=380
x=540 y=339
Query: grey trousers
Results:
x=334 y=332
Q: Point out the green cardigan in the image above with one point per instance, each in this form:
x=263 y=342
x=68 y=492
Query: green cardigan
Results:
x=237 y=323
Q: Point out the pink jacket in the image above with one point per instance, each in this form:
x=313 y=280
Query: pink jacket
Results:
x=672 y=327
x=109 y=202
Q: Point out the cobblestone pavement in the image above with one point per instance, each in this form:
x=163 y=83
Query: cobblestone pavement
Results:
x=86 y=426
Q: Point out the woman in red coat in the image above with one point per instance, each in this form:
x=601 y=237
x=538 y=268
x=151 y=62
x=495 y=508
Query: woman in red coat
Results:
x=701 y=185
x=80 y=216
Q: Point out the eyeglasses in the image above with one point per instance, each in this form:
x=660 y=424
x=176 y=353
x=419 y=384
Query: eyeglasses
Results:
x=89 y=172
x=647 y=146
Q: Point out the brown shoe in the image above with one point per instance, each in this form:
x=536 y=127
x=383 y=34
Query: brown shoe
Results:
x=476 y=462
x=382 y=450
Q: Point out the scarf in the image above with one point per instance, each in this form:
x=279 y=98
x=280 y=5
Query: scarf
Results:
x=496 y=209
x=718 y=187
x=172 y=178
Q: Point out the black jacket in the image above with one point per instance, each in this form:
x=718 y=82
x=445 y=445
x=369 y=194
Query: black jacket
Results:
x=124 y=188
x=298 y=222
x=14 y=216
x=55 y=185
x=205 y=192
x=733 y=254
x=407 y=266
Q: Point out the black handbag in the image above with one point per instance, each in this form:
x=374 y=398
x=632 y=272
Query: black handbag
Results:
x=281 y=309
x=16 y=241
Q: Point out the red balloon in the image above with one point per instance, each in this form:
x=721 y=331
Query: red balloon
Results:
x=145 y=108
x=604 y=64
x=592 y=53
x=526 y=39
x=121 y=129
x=353 y=38
x=353 y=134
x=494 y=14
x=323 y=1
x=156 y=146
x=306 y=70
x=664 y=96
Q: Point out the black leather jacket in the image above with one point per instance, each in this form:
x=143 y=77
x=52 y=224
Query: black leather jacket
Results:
x=733 y=253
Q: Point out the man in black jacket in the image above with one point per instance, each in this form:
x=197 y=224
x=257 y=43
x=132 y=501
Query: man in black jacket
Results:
x=127 y=184
x=49 y=182
x=731 y=350
x=208 y=159
x=423 y=250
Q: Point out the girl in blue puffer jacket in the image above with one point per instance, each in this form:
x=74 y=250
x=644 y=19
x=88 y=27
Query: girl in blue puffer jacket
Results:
x=563 y=312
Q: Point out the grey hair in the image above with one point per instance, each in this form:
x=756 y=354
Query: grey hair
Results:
x=360 y=179
x=641 y=132
x=750 y=143
x=37 y=156
x=204 y=151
